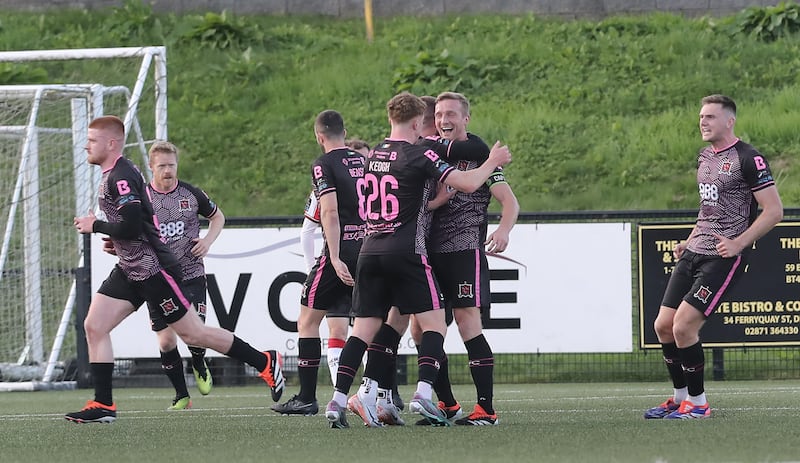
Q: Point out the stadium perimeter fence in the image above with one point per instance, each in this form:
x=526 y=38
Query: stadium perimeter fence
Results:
x=731 y=363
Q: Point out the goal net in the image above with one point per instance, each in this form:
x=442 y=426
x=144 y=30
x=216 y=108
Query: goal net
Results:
x=46 y=105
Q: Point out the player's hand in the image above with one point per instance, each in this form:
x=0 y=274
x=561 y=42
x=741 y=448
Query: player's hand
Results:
x=497 y=241
x=678 y=251
x=443 y=194
x=343 y=272
x=108 y=246
x=85 y=224
x=500 y=154
x=200 y=248
x=727 y=247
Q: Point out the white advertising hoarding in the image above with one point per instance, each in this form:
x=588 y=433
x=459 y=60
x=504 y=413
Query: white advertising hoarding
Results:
x=557 y=288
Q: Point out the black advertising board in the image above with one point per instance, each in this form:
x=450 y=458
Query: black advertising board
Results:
x=763 y=308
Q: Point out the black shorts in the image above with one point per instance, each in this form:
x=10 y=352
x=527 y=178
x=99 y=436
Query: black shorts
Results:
x=324 y=290
x=702 y=280
x=463 y=277
x=402 y=280
x=161 y=290
x=195 y=292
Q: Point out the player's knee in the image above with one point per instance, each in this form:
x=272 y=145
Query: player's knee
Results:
x=469 y=322
x=663 y=330
x=397 y=320
x=193 y=338
x=468 y=332
x=167 y=340
x=664 y=326
x=309 y=321
x=684 y=334
x=308 y=329
x=192 y=335
x=416 y=333
x=93 y=328
x=338 y=332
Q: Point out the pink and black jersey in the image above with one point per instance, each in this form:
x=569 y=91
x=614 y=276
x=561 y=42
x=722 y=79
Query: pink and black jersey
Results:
x=143 y=257
x=727 y=180
x=461 y=223
x=340 y=171
x=395 y=196
x=178 y=223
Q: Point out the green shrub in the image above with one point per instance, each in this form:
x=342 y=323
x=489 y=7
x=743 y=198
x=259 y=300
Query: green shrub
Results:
x=133 y=22
x=770 y=22
x=221 y=31
x=431 y=71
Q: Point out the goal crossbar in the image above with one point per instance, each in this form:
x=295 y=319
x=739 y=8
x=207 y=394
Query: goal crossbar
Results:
x=155 y=55
x=80 y=53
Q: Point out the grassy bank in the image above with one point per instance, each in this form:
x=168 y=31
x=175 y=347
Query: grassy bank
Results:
x=600 y=115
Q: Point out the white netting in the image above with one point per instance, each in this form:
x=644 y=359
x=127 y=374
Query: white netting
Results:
x=45 y=181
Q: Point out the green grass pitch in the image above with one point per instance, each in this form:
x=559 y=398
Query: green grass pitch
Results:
x=752 y=421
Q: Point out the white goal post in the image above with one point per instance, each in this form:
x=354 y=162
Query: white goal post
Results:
x=45 y=181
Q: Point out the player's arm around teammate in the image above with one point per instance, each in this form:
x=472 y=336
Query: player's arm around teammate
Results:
x=497 y=241
x=471 y=180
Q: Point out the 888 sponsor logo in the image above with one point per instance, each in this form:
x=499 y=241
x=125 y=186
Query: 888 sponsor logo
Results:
x=171 y=229
x=709 y=192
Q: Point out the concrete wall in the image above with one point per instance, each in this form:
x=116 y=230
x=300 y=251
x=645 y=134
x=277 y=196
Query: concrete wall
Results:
x=350 y=8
